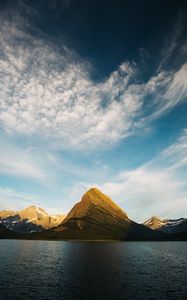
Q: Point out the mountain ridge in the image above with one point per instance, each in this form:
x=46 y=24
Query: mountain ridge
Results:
x=30 y=219
x=167 y=225
x=95 y=217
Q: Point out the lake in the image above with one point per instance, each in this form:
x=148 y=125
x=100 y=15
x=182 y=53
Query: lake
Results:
x=92 y=270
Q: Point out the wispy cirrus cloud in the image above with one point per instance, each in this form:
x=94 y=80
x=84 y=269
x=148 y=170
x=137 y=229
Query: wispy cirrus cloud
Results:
x=155 y=188
x=48 y=93
x=172 y=44
x=10 y=198
x=168 y=89
x=25 y=162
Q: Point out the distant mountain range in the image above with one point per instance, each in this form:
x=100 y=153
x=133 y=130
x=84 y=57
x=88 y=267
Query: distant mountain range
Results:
x=31 y=219
x=167 y=225
x=95 y=217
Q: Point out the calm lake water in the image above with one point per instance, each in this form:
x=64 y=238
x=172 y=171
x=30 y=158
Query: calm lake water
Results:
x=83 y=270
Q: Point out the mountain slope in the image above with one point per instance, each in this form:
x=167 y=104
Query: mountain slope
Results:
x=30 y=219
x=6 y=233
x=170 y=226
x=96 y=216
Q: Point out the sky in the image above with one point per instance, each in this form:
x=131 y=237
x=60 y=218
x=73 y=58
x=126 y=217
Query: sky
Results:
x=94 y=93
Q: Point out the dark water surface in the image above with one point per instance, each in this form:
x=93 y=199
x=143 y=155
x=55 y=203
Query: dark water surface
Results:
x=90 y=270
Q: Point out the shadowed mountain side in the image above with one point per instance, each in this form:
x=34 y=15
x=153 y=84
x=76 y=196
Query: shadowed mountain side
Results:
x=6 y=233
x=88 y=229
x=182 y=227
x=16 y=224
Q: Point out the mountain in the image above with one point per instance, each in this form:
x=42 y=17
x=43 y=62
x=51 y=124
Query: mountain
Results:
x=30 y=219
x=171 y=226
x=97 y=217
x=5 y=232
x=3 y=229
x=154 y=223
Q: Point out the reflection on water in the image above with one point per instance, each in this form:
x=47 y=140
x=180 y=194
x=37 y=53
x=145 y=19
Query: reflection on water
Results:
x=83 y=270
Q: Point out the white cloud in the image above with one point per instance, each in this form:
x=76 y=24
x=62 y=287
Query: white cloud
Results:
x=50 y=95
x=179 y=147
x=156 y=188
x=11 y=199
x=178 y=87
x=47 y=93
x=24 y=162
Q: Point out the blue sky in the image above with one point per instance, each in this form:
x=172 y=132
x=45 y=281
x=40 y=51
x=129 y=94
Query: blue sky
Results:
x=94 y=94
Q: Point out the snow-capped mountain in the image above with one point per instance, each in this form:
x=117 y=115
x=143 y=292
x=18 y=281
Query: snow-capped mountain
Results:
x=167 y=225
x=30 y=219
